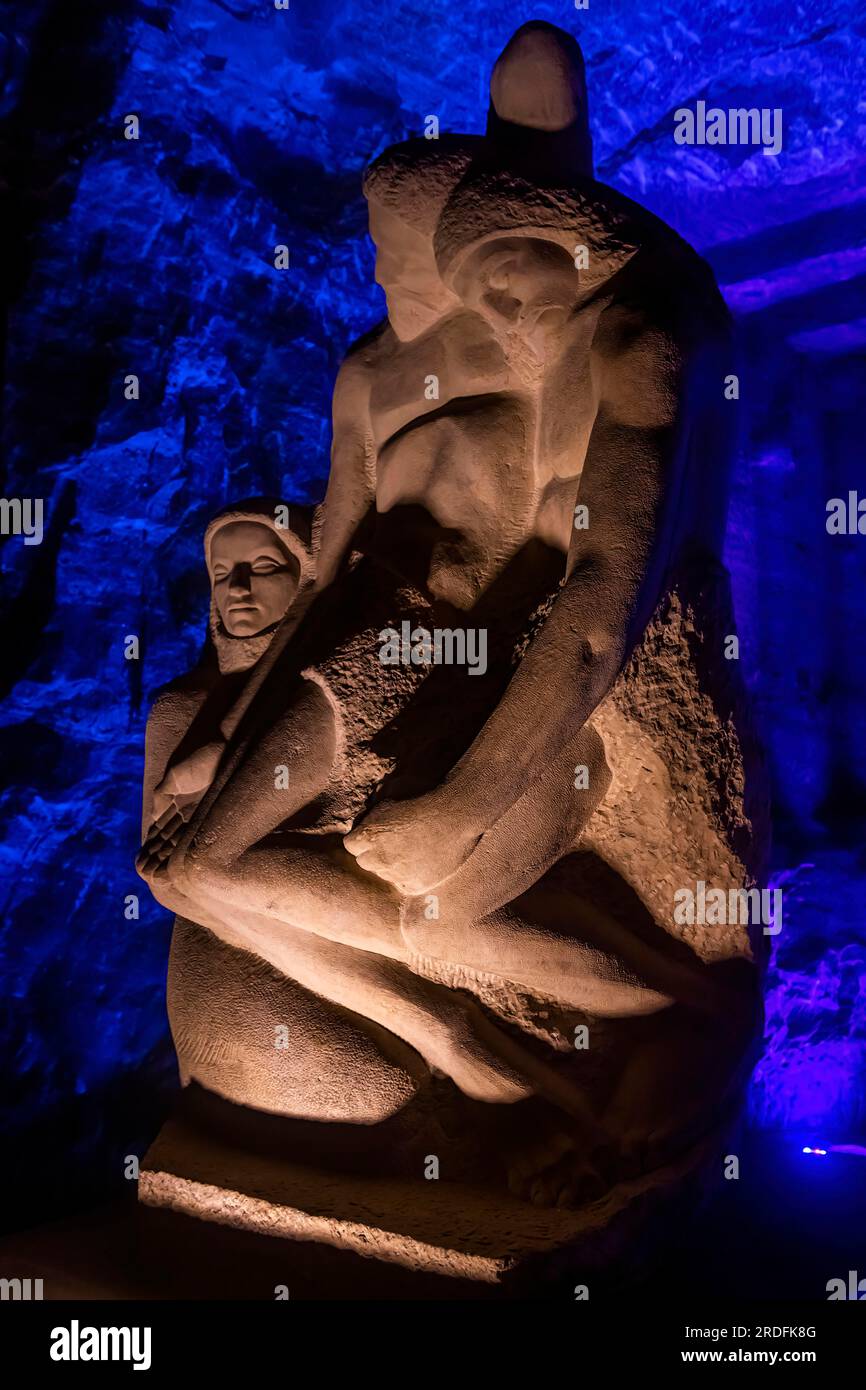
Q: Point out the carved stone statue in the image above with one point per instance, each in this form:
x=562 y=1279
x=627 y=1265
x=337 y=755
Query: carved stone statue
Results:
x=426 y=902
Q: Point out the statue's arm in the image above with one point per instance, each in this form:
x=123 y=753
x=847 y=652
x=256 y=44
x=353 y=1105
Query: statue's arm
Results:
x=351 y=489
x=170 y=719
x=630 y=487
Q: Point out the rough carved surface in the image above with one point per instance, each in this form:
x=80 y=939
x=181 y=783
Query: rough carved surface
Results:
x=454 y=1230
x=336 y=1069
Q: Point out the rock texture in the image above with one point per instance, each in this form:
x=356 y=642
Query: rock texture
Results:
x=417 y=1228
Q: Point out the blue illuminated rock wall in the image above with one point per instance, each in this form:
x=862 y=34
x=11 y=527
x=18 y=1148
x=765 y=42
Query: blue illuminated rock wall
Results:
x=154 y=257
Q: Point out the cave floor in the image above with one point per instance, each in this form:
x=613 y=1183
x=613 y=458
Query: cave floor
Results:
x=782 y=1231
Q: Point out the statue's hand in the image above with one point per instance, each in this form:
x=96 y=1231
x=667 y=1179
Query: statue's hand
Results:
x=174 y=800
x=153 y=859
x=411 y=844
x=188 y=780
x=151 y=862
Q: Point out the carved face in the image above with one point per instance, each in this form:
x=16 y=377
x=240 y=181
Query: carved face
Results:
x=406 y=270
x=524 y=286
x=253 y=577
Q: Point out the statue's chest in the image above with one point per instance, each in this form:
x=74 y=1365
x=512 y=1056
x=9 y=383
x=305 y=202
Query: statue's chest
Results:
x=460 y=359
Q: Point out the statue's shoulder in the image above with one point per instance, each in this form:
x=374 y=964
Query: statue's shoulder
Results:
x=364 y=358
x=663 y=315
x=179 y=700
x=666 y=281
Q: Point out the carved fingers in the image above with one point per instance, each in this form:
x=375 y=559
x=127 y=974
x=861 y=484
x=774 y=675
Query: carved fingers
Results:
x=153 y=857
x=409 y=844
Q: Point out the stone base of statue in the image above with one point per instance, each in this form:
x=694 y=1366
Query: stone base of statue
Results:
x=239 y=1223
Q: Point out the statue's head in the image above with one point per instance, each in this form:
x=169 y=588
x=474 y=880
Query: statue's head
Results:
x=527 y=234
x=253 y=577
x=526 y=286
x=537 y=128
x=258 y=554
x=538 y=121
x=406 y=189
x=524 y=254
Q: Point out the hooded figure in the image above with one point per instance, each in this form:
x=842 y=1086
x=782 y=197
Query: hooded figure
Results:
x=259 y=557
x=256 y=568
